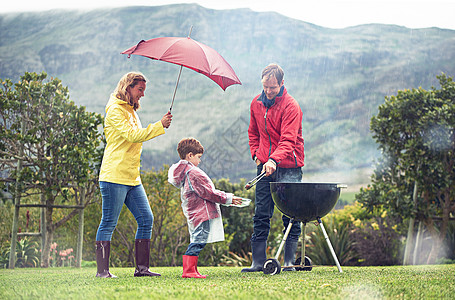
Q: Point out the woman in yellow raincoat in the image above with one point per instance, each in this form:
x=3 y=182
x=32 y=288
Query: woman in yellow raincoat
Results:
x=120 y=181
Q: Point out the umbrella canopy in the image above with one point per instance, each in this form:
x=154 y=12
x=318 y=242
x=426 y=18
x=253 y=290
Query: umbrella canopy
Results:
x=185 y=51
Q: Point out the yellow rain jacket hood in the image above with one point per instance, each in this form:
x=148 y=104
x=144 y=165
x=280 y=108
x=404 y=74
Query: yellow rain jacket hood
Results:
x=124 y=136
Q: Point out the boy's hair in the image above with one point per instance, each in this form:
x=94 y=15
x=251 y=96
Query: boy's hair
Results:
x=273 y=70
x=188 y=145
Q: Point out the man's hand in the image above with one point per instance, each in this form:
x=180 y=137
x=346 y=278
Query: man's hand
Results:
x=269 y=167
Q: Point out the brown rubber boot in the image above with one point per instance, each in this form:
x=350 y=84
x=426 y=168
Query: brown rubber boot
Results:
x=143 y=258
x=103 y=250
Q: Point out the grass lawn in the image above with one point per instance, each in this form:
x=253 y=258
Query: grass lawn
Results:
x=397 y=282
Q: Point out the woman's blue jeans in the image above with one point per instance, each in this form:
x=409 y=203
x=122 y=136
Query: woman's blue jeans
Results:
x=134 y=197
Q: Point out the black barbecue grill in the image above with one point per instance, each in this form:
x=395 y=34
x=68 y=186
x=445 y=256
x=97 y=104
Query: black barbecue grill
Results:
x=304 y=202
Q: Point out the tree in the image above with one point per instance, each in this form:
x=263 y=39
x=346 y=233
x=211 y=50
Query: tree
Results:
x=56 y=144
x=415 y=131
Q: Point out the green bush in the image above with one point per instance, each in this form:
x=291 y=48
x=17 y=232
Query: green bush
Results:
x=238 y=221
x=377 y=243
x=358 y=238
x=340 y=237
x=4 y=258
x=27 y=255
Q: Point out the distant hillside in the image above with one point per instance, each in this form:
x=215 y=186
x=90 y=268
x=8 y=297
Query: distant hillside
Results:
x=339 y=76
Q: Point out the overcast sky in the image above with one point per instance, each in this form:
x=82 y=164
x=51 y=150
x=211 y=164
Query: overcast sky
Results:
x=326 y=13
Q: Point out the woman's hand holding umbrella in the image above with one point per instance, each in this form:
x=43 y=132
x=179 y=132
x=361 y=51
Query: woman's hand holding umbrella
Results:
x=166 y=120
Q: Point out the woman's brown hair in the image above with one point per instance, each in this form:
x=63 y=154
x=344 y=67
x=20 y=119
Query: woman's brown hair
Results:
x=128 y=80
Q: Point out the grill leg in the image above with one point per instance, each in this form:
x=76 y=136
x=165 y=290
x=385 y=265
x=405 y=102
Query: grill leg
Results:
x=330 y=245
x=288 y=229
x=303 y=226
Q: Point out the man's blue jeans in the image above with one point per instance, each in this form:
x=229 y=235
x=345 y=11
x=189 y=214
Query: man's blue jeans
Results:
x=264 y=204
x=134 y=197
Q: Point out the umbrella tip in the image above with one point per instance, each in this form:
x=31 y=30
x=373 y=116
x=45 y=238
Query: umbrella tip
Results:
x=191 y=29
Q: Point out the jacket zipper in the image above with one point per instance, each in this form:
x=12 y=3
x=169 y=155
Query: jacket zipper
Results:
x=270 y=139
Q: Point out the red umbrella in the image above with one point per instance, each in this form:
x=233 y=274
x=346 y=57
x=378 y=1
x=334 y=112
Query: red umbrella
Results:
x=189 y=53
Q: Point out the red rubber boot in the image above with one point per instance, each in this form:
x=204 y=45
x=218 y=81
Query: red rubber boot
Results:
x=190 y=267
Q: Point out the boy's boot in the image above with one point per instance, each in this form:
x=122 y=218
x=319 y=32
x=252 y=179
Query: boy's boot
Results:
x=103 y=250
x=259 y=256
x=289 y=254
x=190 y=267
x=143 y=258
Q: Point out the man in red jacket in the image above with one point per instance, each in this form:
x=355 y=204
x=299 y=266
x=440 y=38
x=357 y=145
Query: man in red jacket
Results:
x=276 y=145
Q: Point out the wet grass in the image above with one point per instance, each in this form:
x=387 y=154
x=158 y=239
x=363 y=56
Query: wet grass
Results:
x=398 y=282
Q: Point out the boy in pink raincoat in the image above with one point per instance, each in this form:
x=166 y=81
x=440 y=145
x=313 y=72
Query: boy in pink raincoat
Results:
x=200 y=203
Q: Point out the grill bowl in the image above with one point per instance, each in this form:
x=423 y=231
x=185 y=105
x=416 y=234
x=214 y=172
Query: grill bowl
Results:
x=304 y=201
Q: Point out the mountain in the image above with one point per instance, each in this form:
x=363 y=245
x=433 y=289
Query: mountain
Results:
x=338 y=76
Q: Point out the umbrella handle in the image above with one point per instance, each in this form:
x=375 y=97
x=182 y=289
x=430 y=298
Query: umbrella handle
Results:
x=175 y=90
x=178 y=78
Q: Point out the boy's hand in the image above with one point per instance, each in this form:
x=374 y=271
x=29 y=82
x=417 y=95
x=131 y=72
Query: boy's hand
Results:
x=236 y=200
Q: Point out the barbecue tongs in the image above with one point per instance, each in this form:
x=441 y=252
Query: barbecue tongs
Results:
x=253 y=181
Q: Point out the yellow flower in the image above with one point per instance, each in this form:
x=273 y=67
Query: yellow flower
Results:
x=375 y=226
x=384 y=214
x=357 y=223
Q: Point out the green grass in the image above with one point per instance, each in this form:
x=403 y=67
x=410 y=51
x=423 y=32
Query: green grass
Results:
x=398 y=282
